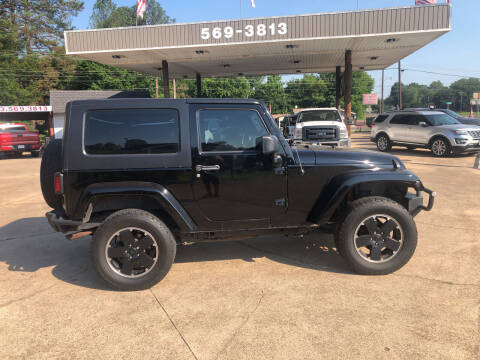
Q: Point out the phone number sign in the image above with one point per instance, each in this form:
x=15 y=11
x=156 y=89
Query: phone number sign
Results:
x=247 y=31
x=33 y=108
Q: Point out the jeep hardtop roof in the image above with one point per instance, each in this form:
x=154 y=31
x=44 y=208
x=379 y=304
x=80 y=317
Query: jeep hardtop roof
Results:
x=154 y=100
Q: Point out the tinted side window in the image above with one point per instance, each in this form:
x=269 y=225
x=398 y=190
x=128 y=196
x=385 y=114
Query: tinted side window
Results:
x=230 y=130
x=416 y=119
x=400 y=120
x=380 y=118
x=131 y=131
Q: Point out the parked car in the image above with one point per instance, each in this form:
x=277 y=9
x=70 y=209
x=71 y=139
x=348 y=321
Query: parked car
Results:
x=458 y=117
x=321 y=126
x=433 y=130
x=369 y=121
x=143 y=175
x=16 y=138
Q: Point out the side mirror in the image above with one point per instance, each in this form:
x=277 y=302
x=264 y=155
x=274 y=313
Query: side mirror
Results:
x=423 y=124
x=269 y=144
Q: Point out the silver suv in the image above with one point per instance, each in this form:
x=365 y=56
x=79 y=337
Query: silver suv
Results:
x=433 y=130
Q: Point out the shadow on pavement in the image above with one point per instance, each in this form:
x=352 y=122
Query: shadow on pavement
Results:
x=28 y=245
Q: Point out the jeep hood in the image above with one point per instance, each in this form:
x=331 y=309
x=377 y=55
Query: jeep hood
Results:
x=349 y=157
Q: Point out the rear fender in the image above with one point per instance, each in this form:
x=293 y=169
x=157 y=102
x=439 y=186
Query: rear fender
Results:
x=339 y=186
x=118 y=195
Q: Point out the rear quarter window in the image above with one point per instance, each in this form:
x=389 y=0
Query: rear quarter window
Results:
x=131 y=131
x=380 y=119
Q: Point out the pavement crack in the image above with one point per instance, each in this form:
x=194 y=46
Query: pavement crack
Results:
x=28 y=236
x=173 y=324
x=27 y=296
x=444 y=226
x=237 y=330
x=436 y=280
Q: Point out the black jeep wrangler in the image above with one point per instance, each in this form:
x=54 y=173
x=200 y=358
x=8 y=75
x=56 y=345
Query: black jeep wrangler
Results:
x=143 y=175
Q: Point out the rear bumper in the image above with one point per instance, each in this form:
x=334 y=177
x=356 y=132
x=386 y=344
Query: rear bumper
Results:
x=58 y=221
x=17 y=148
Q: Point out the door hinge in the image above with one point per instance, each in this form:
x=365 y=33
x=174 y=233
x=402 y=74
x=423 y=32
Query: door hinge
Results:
x=281 y=202
x=279 y=171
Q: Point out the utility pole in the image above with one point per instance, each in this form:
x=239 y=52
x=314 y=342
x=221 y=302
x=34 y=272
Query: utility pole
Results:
x=156 y=87
x=383 y=84
x=174 y=83
x=400 y=85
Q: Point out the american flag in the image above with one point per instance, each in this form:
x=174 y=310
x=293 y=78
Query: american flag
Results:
x=141 y=7
x=425 y=2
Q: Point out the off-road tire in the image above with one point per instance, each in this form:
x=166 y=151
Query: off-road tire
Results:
x=383 y=143
x=165 y=242
x=51 y=163
x=446 y=146
x=358 y=211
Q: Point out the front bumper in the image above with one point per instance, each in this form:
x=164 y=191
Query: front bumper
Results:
x=466 y=148
x=415 y=201
x=336 y=143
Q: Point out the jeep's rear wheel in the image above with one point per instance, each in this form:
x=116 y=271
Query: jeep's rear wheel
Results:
x=384 y=143
x=132 y=250
x=378 y=236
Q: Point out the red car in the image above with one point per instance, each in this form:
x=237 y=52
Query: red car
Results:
x=16 y=138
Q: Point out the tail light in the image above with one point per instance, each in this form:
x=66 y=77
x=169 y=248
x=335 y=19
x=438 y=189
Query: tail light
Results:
x=58 y=183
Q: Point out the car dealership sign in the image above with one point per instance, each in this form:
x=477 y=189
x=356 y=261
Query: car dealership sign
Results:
x=370 y=99
x=33 y=108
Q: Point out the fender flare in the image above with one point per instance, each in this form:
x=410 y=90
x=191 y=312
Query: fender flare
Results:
x=339 y=186
x=440 y=135
x=158 y=193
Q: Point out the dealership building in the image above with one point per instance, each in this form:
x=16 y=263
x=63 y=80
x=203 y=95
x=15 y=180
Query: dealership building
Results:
x=339 y=42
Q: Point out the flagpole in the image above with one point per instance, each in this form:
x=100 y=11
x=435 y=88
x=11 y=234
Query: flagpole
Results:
x=240 y=9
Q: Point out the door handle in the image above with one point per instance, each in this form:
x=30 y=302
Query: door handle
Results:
x=207 y=167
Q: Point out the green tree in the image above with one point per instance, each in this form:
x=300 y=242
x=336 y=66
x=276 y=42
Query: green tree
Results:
x=237 y=87
x=272 y=93
x=40 y=23
x=362 y=83
x=89 y=75
x=309 y=91
x=463 y=90
x=107 y=15
x=102 y=11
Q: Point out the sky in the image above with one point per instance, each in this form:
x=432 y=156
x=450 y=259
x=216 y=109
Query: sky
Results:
x=454 y=55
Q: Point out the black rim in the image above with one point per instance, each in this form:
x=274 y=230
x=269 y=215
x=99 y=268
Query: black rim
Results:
x=378 y=238
x=131 y=252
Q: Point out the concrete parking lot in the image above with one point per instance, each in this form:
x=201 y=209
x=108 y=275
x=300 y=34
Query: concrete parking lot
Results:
x=265 y=298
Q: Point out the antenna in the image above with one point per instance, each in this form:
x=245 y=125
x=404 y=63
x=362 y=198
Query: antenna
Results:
x=302 y=172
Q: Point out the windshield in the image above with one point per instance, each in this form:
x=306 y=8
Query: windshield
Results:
x=452 y=114
x=441 y=119
x=319 y=115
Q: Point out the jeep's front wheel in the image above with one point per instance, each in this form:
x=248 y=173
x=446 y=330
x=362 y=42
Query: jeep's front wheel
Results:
x=132 y=250
x=377 y=237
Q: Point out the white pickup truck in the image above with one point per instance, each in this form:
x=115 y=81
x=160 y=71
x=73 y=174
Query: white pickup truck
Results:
x=320 y=126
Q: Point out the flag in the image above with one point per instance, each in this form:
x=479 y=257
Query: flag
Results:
x=141 y=7
x=425 y=2
x=252 y=2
